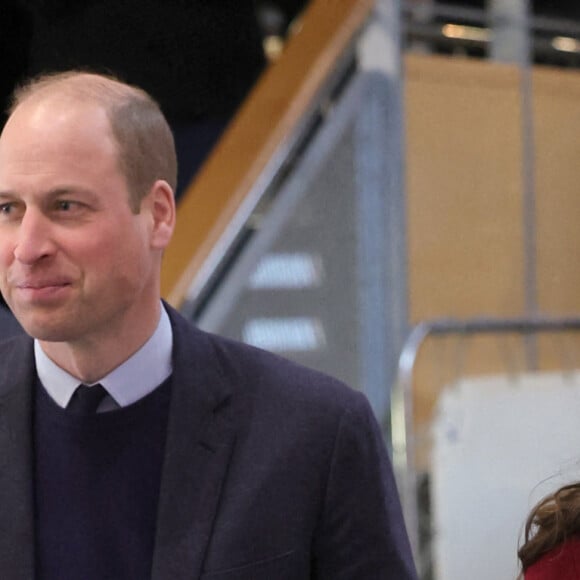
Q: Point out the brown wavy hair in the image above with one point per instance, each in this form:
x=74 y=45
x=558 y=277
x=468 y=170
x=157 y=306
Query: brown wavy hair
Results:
x=555 y=519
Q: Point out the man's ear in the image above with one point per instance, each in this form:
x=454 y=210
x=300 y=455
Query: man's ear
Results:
x=161 y=205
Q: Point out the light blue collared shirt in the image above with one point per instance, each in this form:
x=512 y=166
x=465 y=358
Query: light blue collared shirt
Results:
x=138 y=376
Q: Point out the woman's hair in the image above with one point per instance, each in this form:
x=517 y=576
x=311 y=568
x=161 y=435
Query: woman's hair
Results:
x=552 y=521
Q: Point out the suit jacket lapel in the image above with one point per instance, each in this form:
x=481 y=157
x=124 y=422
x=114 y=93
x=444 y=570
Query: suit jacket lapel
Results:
x=16 y=460
x=199 y=443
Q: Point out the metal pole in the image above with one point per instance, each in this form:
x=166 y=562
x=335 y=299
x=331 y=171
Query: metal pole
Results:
x=511 y=44
x=510 y=38
x=381 y=51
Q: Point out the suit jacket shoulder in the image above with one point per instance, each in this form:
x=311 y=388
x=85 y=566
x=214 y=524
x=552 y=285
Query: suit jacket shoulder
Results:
x=16 y=362
x=307 y=488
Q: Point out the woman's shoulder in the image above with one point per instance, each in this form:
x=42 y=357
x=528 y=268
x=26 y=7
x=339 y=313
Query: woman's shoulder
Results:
x=560 y=563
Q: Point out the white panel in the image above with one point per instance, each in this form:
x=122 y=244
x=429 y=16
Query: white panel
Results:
x=499 y=445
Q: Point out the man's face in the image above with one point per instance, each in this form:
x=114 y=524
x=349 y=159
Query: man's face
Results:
x=75 y=262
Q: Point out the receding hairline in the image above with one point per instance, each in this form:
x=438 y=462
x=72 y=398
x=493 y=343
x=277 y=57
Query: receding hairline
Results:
x=142 y=136
x=104 y=90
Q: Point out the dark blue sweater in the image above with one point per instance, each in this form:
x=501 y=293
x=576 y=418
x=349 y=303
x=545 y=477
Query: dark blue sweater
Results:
x=97 y=488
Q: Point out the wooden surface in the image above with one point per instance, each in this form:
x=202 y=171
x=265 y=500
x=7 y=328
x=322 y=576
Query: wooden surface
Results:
x=557 y=177
x=464 y=188
x=464 y=203
x=262 y=127
x=466 y=214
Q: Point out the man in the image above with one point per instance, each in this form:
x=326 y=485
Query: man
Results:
x=194 y=457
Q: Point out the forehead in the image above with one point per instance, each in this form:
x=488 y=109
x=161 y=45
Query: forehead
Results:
x=57 y=134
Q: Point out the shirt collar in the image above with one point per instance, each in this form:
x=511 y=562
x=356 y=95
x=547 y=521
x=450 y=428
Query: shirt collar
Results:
x=132 y=380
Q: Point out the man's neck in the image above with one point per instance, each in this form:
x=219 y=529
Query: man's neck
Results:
x=92 y=358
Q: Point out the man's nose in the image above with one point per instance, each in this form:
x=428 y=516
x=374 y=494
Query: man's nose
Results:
x=34 y=240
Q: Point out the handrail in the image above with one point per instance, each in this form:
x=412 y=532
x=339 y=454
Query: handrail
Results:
x=252 y=151
x=402 y=394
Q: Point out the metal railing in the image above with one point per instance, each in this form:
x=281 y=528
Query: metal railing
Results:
x=402 y=412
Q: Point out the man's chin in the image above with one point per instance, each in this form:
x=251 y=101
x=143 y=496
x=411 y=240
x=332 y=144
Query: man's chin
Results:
x=45 y=331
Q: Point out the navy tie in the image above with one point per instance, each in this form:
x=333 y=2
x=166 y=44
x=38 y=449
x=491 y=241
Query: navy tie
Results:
x=86 y=400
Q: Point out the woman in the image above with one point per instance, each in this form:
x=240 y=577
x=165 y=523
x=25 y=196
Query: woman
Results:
x=551 y=549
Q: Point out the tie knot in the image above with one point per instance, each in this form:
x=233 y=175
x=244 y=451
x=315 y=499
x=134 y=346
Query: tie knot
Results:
x=86 y=399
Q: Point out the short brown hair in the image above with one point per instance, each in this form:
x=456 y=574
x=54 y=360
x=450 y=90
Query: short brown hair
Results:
x=146 y=149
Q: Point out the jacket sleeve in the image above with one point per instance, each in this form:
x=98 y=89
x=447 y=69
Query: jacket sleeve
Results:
x=361 y=534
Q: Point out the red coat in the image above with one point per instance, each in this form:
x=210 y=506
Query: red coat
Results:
x=562 y=563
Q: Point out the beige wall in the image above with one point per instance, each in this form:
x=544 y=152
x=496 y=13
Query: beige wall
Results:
x=557 y=146
x=465 y=210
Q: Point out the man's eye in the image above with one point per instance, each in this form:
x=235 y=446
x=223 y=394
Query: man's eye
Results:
x=6 y=208
x=68 y=205
x=65 y=205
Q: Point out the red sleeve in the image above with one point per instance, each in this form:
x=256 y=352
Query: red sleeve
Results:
x=561 y=563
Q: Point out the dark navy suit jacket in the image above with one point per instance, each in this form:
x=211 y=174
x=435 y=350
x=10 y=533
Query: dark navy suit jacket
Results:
x=8 y=324
x=271 y=472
